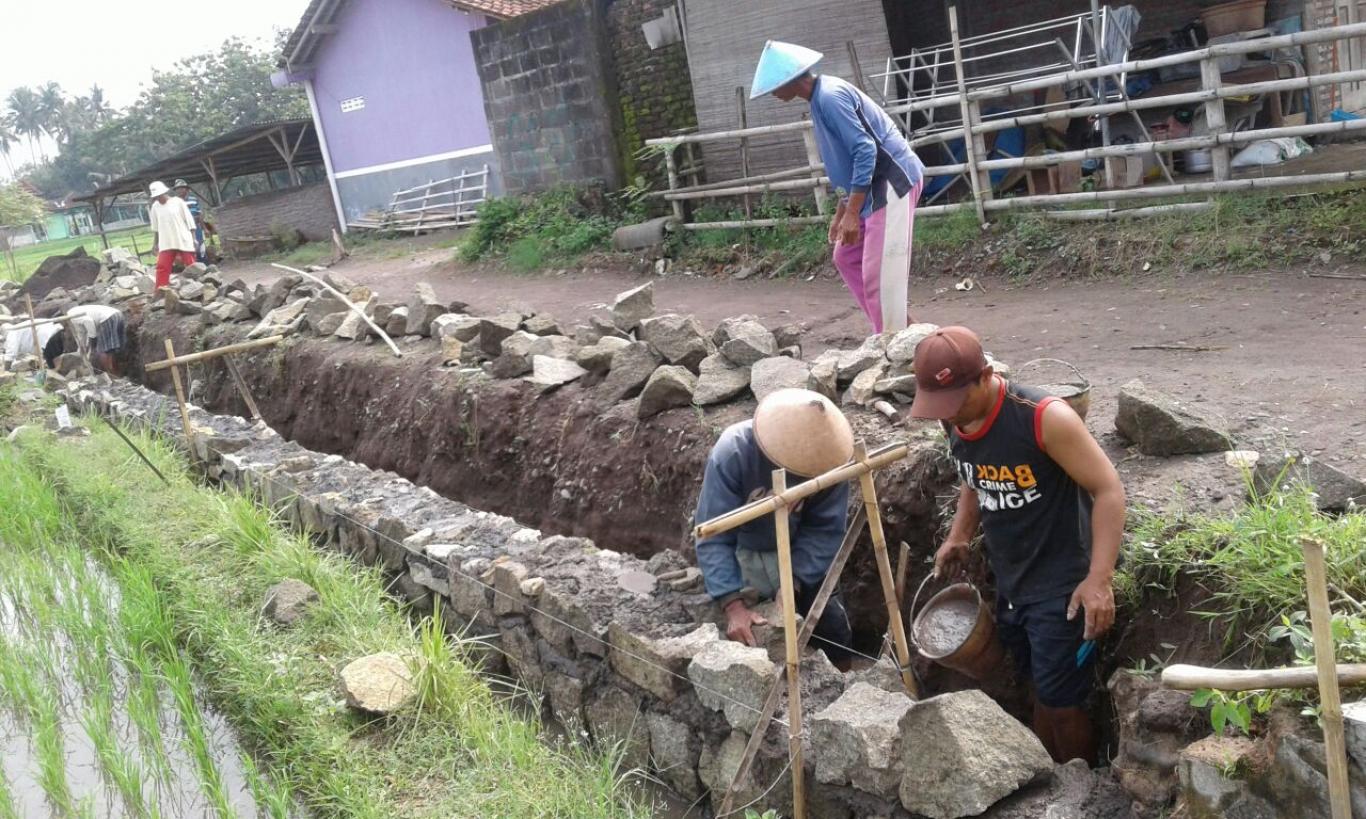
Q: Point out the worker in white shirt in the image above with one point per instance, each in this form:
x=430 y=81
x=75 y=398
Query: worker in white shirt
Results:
x=19 y=340
x=103 y=329
x=173 y=227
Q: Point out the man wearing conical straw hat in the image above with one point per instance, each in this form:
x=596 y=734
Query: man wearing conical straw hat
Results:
x=803 y=432
x=867 y=157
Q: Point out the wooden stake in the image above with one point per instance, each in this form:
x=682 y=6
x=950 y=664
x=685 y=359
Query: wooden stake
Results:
x=884 y=571
x=794 y=689
x=1330 y=713
x=242 y=388
x=813 y=616
x=180 y=397
x=903 y=560
x=33 y=327
x=229 y=349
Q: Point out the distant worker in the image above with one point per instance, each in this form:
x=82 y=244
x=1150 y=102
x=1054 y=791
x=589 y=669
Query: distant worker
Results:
x=868 y=159
x=172 y=230
x=804 y=433
x=182 y=191
x=103 y=329
x=19 y=341
x=1051 y=507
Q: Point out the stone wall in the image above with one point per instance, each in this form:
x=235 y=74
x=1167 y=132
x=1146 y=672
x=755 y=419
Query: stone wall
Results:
x=629 y=650
x=550 y=97
x=307 y=208
x=653 y=86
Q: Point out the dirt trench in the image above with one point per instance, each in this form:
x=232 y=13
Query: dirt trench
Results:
x=560 y=462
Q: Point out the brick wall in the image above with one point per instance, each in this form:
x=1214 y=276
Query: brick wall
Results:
x=550 y=97
x=307 y=208
x=654 y=87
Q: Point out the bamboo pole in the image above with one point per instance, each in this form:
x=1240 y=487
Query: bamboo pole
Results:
x=350 y=305
x=1210 y=79
x=742 y=190
x=1158 y=192
x=755 y=223
x=766 y=506
x=813 y=616
x=206 y=355
x=1192 y=677
x=884 y=571
x=794 y=688
x=969 y=144
x=1112 y=214
x=242 y=388
x=805 y=170
x=671 y=165
x=813 y=158
x=743 y=120
x=180 y=398
x=33 y=328
x=1330 y=699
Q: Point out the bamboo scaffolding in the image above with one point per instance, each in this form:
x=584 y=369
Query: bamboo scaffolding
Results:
x=794 y=688
x=1330 y=699
x=895 y=621
x=171 y=360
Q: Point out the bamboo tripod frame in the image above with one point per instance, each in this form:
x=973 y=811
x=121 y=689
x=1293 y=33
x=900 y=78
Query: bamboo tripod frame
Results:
x=778 y=505
x=173 y=362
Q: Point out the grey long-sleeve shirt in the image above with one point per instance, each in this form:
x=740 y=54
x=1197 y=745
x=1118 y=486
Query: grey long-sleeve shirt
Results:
x=737 y=473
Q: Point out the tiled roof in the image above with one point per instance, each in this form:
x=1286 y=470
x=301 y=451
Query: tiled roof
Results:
x=503 y=8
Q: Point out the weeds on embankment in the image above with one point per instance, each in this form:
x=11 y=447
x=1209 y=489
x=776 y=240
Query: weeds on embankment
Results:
x=460 y=751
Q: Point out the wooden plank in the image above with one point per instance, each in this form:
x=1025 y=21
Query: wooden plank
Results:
x=206 y=355
x=242 y=388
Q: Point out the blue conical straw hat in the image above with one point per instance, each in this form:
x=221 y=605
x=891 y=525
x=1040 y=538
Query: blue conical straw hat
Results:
x=780 y=64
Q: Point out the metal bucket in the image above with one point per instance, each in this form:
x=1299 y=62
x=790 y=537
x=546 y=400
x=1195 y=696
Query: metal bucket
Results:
x=957 y=630
x=1075 y=391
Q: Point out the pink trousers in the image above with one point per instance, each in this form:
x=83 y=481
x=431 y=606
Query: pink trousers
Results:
x=878 y=268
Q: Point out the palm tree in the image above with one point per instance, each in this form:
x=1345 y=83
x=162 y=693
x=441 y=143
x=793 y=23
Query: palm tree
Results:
x=97 y=105
x=26 y=115
x=52 y=103
x=8 y=137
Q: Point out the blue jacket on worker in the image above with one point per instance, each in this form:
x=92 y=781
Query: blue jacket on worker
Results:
x=860 y=144
x=738 y=472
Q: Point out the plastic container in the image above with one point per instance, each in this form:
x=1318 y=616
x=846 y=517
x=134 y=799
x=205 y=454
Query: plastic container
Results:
x=1198 y=161
x=1231 y=18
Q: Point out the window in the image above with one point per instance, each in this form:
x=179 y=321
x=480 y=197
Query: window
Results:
x=352 y=104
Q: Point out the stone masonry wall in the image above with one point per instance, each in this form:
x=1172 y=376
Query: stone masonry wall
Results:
x=628 y=650
x=307 y=208
x=549 y=96
x=653 y=86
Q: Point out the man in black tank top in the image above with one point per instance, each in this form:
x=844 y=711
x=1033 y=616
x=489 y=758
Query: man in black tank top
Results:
x=1051 y=508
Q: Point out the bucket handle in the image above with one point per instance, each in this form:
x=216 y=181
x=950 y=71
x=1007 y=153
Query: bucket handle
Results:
x=1069 y=365
x=915 y=600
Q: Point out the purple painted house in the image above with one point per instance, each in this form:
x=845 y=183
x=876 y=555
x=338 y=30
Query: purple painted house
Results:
x=394 y=91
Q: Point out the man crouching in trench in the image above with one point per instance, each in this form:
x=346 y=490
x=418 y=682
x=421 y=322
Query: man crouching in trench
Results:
x=803 y=432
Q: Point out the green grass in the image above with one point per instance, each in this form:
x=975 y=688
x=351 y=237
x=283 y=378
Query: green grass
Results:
x=208 y=558
x=556 y=227
x=27 y=259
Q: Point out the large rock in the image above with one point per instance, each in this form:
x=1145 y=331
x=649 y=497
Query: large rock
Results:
x=1162 y=425
x=542 y=326
x=614 y=716
x=631 y=368
x=423 y=308
x=71 y=271
x=824 y=377
x=733 y=678
x=548 y=372
x=515 y=356
x=288 y=601
x=748 y=342
x=633 y=306
x=674 y=751
x=353 y=327
x=862 y=390
x=656 y=663
x=554 y=346
x=597 y=357
x=228 y=310
x=320 y=307
x=857 y=737
x=329 y=324
x=1334 y=490
x=772 y=374
x=284 y=319
x=493 y=329
x=378 y=684
x=1154 y=724
x=397 y=324
x=901 y=347
x=725 y=330
x=720 y=381
x=678 y=339
x=961 y=753
x=853 y=362
x=461 y=327
x=670 y=386
x=1203 y=772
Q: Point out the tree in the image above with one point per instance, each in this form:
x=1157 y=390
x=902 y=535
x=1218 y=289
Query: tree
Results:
x=19 y=207
x=53 y=110
x=8 y=137
x=97 y=105
x=26 y=114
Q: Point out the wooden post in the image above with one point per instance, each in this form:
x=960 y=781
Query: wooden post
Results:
x=180 y=398
x=744 y=144
x=794 y=689
x=884 y=570
x=242 y=387
x=1330 y=714
x=813 y=160
x=671 y=165
x=965 y=111
x=1215 y=121
x=214 y=353
x=33 y=328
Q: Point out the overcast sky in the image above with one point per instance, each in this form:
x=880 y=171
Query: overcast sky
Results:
x=117 y=43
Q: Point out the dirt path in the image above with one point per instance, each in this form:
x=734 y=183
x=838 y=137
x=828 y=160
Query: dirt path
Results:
x=1289 y=362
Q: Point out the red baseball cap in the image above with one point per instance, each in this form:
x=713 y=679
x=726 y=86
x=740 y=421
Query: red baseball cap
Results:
x=947 y=363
